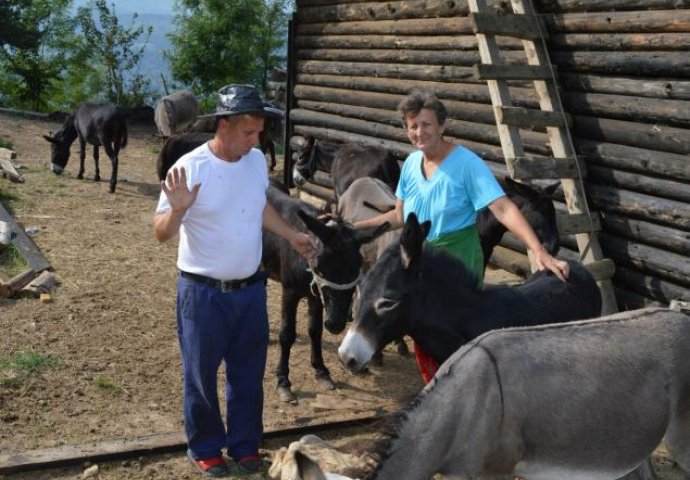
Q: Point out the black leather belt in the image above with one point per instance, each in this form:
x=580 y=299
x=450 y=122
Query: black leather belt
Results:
x=226 y=285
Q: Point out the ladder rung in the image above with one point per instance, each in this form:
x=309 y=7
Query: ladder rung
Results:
x=603 y=269
x=532 y=168
x=511 y=71
x=530 y=118
x=569 y=224
x=518 y=26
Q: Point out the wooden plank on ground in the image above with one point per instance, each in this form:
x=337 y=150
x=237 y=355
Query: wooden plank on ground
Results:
x=107 y=450
x=26 y=246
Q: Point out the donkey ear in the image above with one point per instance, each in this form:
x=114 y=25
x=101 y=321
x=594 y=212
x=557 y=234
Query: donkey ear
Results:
x=367 y=235
x=412 y=240
x=322 y=232
x=307 y=468
x=50 y=139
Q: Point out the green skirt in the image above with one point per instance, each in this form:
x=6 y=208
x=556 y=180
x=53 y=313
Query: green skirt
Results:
x=464 y=244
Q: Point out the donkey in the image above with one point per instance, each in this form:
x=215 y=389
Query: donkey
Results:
x=329 y=281
x=584 y=400
x=99 y=124
x=429 y=295
x=346 y=163
x=176 y=146
x=175 y=112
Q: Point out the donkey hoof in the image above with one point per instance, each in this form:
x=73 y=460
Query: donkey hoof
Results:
x=80 y=176
x=286 y=395
x=326 y=383
x=403 y=351
x=97 y=178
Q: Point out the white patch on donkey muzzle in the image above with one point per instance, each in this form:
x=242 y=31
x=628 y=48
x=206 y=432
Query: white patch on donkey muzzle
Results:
x=298 y=178
x=56 y=169
x=355 y=351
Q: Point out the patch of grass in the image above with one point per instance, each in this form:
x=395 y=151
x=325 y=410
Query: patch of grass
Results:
x=5 y=143
x=14 y=370
x=155 y=149
x=105 y=383
x=7 y=196
x=11 y=261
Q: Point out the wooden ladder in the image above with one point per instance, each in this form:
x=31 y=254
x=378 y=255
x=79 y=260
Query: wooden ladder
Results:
x=526 y=25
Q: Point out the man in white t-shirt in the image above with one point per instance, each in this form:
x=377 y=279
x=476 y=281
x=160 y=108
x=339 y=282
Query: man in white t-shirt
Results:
x=215 y=198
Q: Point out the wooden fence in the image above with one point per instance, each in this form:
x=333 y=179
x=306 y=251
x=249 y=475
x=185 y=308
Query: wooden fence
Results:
x=624 y=71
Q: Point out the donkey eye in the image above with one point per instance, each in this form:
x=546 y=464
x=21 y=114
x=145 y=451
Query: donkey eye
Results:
x=382 y=305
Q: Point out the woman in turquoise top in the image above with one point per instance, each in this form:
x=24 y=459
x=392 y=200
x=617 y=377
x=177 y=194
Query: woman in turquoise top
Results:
x=448 y=184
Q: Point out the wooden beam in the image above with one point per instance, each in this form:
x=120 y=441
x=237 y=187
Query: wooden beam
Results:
x=530 y=118
x=26 y=247
x=107 y=450
x=529 y=168
x=569 y=224
x=518 y=26
x=513 y=72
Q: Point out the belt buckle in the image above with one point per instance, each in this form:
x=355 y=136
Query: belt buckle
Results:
x=227 y=286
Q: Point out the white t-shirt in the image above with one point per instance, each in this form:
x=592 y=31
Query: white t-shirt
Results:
x=220 y=236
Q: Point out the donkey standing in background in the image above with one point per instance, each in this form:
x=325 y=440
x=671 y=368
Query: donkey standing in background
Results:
x=175 y=112
x=98 y=124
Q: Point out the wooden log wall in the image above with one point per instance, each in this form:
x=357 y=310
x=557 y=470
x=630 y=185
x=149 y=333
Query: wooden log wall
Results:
x=624 y=72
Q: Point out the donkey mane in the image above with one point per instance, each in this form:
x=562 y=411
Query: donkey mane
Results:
x=388 y=430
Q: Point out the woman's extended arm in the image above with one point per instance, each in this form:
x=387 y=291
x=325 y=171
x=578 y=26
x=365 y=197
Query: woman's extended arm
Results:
x=393 y=217
x=509 y=215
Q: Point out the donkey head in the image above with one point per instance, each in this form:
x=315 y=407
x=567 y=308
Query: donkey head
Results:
x=337 y=267
x=380 y=313
x=537 y=207
x=60 y=144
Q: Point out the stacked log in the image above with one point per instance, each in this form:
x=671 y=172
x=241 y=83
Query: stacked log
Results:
x=624 y=72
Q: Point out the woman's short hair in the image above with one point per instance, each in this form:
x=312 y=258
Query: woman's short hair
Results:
x=418 y=99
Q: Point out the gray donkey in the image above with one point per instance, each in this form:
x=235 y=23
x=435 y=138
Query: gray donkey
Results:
x=587 y=400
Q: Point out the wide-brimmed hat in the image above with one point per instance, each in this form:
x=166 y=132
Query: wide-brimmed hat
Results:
x=239 y=99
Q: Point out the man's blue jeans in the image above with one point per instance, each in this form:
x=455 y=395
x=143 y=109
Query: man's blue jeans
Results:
x=215 y=326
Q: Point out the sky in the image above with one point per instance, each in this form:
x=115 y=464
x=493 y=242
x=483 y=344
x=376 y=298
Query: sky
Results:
x=157 y=7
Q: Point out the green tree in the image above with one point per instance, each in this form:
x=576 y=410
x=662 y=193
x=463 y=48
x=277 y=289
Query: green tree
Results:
x=31 y=61
x=115 y=52
x=272 y=37
x=218 y=42
x=15 y=32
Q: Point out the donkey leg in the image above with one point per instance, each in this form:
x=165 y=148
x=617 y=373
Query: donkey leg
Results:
x=678 y=441
x=97 y=175
x=643 y=472
x=82 y=156
x=286 y=337
x=315 y=327
x=272 y=150
x=112 y=155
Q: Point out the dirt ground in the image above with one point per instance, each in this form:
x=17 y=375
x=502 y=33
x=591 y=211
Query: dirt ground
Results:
x=111 y=324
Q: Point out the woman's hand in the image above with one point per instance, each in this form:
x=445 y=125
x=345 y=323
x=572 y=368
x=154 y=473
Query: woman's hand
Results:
x=544 y=261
